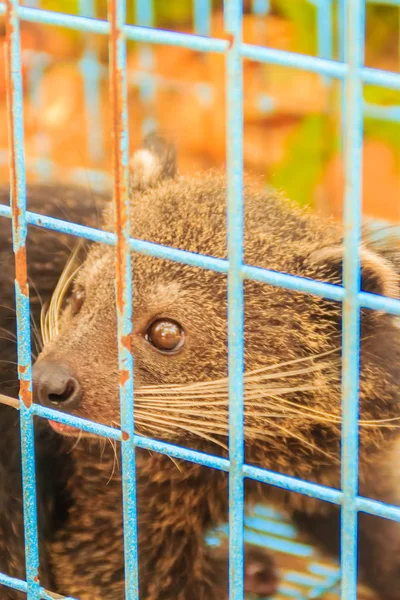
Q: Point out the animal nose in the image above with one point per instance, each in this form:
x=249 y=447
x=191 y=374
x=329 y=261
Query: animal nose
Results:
x=55 y=386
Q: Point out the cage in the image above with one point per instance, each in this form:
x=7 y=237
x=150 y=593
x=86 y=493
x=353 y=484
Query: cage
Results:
x=343 y=66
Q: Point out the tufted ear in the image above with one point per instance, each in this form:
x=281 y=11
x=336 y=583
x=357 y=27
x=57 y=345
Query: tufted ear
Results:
x=378 y=275
x=154 y=162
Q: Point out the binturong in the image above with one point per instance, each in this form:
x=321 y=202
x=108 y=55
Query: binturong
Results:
x=292 y=386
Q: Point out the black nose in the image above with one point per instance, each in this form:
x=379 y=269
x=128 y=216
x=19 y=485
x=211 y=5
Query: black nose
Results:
x=55 y=386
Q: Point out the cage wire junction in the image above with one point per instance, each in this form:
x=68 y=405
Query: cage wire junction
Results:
x=352 y=74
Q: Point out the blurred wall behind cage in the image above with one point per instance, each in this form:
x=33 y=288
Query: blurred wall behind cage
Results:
x=292 y=119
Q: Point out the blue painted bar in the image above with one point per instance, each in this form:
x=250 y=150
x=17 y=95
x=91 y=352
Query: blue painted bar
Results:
x=327 y=290
x=284 y=481
x=294 y=60
x=67 y=419
x=131 y=32
x=87 y=8
x=38 y=63
x=278 y=544
x=383 y=113
x=323 y=570
x=268 y=526
x=234 y=159
x=147 y=85
x=384 y=2
x=123 y=288
x=328 y=585
x=385 y=79
x=49 y=596
x=379 y=509
x=204 y=44
x=202 y=17
x=288 y=591
x=324 y=28
x=12 y=582
x=353 y=138
x=302 y=578
x=92 y=74
x=261 y=7
x=19 y=231
x=292 y=483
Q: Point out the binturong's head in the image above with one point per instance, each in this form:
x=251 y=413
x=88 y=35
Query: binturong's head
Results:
x=292 y=340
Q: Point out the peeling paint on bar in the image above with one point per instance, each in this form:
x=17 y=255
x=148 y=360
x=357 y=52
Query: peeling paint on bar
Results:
x=19 y=230
x=123 y=287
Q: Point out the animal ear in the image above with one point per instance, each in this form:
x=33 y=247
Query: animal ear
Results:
x=378 y=275
x=154 y=162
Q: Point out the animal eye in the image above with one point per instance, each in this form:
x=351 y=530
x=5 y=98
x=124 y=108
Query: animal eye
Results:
x=77 y=300
x=165 y=335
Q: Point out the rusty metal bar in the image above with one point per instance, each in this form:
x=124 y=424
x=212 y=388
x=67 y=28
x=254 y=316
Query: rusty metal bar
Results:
x=19 y=230
x=123 y=289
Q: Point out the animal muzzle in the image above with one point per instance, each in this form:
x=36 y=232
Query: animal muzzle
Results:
x=55 y=385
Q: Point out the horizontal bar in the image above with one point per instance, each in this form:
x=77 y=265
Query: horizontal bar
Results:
x=322 y=66
x=13 y=583
x=294 y=282
x=384 y=2
x=287 y=482
x=386 y=79
x=131 y=32
x=219 y=265
x=314 y=64
x=21 y=586
x=379 y=509
x=293 y=484
x=266 y=105
x=382 y=113
x=182 y=453
x=78 y=422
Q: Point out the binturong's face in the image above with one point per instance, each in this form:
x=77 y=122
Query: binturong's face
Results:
x=179 y=340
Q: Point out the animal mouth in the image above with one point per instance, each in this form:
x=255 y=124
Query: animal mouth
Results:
x=63 y=429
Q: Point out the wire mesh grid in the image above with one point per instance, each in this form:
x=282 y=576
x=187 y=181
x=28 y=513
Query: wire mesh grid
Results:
x=352 y=74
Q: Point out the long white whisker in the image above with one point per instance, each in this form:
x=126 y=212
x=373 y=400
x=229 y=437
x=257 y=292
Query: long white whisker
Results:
x=178 y=425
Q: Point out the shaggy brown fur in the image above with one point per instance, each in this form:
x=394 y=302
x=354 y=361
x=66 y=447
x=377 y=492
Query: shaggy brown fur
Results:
x=47 y=254
x=292 y=386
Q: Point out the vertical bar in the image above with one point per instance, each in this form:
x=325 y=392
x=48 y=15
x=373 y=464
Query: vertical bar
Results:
x=144 y=16
x=343 y=27
x=261 y=7
x=234 y=94
x=324 y=27
x=19 y=229
x=91 y=73
x=39 y=62
x=118 y=95
x=353 y=136
x=202 y=17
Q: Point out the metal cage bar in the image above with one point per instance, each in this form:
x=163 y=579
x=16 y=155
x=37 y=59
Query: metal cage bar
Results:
x=19 y=230
x=234 y=158
x=352 y=73
x=123 y=288
x=353 y=137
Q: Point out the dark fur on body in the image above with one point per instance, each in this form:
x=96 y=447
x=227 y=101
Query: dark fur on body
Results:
x=58 y=475
x=292 y=414
x=47 y=254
